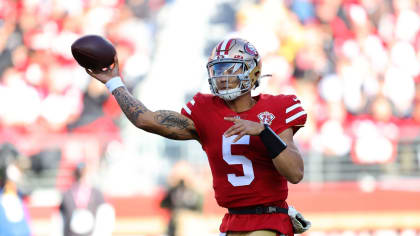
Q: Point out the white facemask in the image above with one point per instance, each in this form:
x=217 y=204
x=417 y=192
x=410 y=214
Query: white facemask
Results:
x=229 y=94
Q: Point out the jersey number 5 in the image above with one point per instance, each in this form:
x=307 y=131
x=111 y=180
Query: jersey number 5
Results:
x=248 y=170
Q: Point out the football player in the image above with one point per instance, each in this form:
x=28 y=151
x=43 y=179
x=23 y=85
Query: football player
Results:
x=248 y=139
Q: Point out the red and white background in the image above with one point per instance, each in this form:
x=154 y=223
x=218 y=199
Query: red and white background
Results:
x=354 y=65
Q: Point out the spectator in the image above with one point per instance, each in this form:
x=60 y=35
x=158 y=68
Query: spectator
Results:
x=14 y=218
x=83 y=208
x=180 y=197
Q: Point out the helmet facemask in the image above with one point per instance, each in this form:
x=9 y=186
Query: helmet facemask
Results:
x=230 y=78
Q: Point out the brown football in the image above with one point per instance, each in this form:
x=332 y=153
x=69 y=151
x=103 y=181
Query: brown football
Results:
x=93 y=52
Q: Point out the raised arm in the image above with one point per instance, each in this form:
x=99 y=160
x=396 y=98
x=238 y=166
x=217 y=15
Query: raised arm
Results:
x=168 y=124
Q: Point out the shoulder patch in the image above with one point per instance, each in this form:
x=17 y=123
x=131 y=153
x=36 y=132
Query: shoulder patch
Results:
x=266 y=117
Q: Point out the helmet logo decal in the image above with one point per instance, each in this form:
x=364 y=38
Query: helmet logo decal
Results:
x=266 y=117
x=250 y=49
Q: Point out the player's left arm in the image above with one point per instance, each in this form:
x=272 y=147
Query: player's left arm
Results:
x=283 y=151
x=289 y=162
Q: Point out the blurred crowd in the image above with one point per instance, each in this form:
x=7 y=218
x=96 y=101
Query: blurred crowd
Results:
x=353 y=63
x=48 y=103
x=43 y=90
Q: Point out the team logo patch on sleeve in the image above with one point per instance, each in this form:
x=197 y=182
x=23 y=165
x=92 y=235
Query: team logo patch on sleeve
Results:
x=266 y=117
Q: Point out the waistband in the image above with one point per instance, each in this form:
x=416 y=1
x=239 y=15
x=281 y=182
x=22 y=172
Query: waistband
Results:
x=258 y=210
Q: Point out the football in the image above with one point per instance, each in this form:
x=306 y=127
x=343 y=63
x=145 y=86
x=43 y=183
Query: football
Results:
x=93 y=52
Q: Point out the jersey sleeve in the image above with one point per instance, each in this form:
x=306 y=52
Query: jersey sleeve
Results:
x=190 y=108
x=292 y=115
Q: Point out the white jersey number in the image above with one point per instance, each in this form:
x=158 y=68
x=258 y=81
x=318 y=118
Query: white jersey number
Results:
x=248 y=176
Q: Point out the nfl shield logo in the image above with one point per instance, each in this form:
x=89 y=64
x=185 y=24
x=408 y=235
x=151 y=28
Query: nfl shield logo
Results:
x=266 y=117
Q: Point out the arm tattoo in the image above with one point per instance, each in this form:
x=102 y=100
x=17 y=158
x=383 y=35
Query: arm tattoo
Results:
x=179 y=127
x=167 y=123
x=131 y=107
x=171 y=119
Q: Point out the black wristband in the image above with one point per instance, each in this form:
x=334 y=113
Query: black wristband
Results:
x=272 y=142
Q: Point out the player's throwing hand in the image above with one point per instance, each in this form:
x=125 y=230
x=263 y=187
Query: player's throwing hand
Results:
x=106 y=73
x=243 y=127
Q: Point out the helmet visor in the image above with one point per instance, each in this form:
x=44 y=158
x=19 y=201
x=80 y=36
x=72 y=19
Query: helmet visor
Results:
x=225 y=68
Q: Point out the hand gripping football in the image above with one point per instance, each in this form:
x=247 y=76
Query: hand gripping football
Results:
x=93 y=52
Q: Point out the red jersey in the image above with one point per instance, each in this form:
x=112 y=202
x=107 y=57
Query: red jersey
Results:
x=243 y=173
